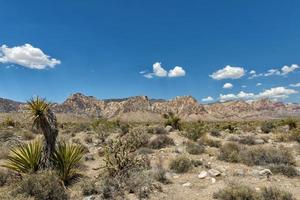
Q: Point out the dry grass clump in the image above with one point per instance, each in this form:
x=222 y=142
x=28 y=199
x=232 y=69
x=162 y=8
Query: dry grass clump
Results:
x=267 y=127
x=247 y=139
x=194 y=148
x=159 y=172
x=89 y=188
x=236 y=191
x=206 y=140
x=157 y=130
x=279 y=160
x=160 y=141
x=181 y=164
x=42 y=186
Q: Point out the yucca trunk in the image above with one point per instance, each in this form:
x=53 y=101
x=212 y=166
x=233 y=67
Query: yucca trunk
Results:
x=50 y=132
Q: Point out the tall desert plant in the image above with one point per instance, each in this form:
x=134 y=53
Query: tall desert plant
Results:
x=66 y=160
x=172 y=120
x=45 y=121
x=25 y=158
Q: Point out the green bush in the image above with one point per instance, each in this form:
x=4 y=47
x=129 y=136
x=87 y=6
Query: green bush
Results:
x=172 y=120
x=193 y=131
x=287 y=170
x=180 y=164
x=42 y=186
x=267 y=127
x=194 y=149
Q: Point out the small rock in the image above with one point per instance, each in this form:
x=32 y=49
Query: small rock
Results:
x=213 y=180
x=213 y=172
x=188 y=184
x=89 y=157
x=259 y=141
x=169 y=128
x=203 y=174
x=176 y=176
x=265 y=172
x=179 y=149
x=257 y=189
x=89 y=198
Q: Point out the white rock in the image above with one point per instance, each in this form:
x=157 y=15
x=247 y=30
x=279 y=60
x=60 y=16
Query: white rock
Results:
x=203 y=174
x=188 y=184
x=213 y=180
x=213 y=172
x=259 y=141
x=265 y=172
x=169 y=128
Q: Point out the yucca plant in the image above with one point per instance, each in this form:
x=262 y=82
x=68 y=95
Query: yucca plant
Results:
x=25 y=158
x=66 y=160
x=45 y=121
x=172 y=120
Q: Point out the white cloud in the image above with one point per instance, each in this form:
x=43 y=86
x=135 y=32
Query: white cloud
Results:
x=295 y=85
x=240 y=95
x=272 y=93
x=227 y=86
x=209 y=98
x=27 y=56
x=258 y=84
x=159 y=71
x=176 y=72
x=277 y=93
x=228 y=72
x=286 y=69
x=244 y=86
x=279 y=72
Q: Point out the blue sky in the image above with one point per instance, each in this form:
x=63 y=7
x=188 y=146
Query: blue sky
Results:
x=107 y=49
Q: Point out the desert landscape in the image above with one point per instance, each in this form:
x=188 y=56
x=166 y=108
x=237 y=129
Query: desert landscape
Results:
x=138 y=148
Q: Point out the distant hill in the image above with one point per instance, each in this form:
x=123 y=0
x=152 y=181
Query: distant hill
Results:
x=186 y=107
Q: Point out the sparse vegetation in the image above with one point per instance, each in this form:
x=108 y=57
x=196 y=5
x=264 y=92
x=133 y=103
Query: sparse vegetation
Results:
x=172 y=120
x=160 y=141
x=181 y=164
x=267 y=127
x=194 y=148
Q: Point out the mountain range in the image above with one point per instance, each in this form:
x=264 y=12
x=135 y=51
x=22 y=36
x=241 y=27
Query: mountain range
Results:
x=186 y=107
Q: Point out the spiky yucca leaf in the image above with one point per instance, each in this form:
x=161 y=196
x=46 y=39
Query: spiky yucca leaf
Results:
x=25 y=158
x=66 y=160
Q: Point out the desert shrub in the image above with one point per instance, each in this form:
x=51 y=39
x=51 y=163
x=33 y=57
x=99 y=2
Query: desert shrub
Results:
x=273 y=193
x=160 y=141
x=292 y=123
x=42 y=186
x=9 y=122
x=66 y=160
x=25 y=158
x=237 y=192
x=210 y=142
x=267 y=155
x=137 y=137
x=172 y=120
x=88 y=139
x=230 y=127
x=215 y=133
x=120 y=156
x=3 y=177
x=89 y=188
x=194 y=149
x=193 y=131
x=159 y=172
x=27 y=135
x=180 y=164
x=287 y=170
x=110 y=188
x=267 y=127
x=295 y=135
x=140 y=183
x=124 y=128
x=230 y=152
x=145 y=151
x=157 y=130
x=4 y=152
x=247 y=139
x=6 y=136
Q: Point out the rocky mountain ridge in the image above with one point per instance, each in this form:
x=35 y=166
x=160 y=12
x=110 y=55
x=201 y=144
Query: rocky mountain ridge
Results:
x=186 y=107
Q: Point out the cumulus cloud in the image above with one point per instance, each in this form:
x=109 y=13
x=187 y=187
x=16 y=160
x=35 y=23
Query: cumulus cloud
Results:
x=295 y=85
x=206 y=99
x=176 y=72
x=279 y=72
x=286 y=69
x=240 y=95
x=159 y=71
x=272 y=93
x=252 y=72
x=228 y=72
x=227 y=86
x=27 y=56
x=277 y=93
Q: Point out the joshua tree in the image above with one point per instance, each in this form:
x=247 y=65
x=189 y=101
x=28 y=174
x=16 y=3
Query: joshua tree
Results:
x=45 y=121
